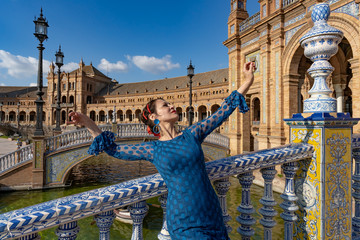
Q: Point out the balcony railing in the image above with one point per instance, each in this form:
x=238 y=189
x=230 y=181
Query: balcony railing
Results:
x=246 y=24
x=288 y=2
x=64 y=213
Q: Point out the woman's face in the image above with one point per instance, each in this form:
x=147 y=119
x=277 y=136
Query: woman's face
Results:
x=165 y=111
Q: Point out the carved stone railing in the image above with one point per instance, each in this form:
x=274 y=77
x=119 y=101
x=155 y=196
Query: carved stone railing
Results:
x=15 y=158
x=64 y=213
x=247 y=23
x=288 y=2
x=82 y=136
x=137 y=130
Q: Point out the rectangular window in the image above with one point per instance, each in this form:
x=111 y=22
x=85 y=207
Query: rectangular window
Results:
x=264 y=10
x=64 y=86
x=232 y=29
x=277 y=4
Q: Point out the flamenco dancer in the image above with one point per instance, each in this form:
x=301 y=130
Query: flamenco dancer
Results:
x=193 y=210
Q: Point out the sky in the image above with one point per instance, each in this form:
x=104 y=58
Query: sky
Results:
x=129 y=41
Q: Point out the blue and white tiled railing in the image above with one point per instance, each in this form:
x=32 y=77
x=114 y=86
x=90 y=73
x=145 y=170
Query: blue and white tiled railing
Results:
x=64 y=213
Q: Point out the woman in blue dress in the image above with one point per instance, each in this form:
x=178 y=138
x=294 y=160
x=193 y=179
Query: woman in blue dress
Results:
x=193 y=209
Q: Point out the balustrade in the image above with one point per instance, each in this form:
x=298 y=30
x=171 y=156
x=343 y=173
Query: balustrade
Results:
x=288 y=2
x=268 y=201
x=247 y=23
x=101 y=202
x=21 y=155
x=104 y=221
x=246 y=209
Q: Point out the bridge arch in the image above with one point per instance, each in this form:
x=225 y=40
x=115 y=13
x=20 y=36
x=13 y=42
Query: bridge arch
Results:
x=59 y=164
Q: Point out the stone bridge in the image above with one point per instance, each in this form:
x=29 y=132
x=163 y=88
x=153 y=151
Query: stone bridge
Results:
x=54 y=157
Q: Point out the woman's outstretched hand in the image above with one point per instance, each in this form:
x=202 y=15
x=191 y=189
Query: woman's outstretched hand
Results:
x=78 y=118
x=248 y=70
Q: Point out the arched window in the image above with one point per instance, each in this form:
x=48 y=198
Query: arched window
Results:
x=32 y=116
x=71 y=99
x=138 y=114
x=12 y=116
x=92 y=115
x=129 y=115
x=256 y=111
x=179 y=112
x=22 y=116
x=202 y=112
x=63 y=117
x=102 y=116
x=63 y=99
x=88 y=100
x=120 y=115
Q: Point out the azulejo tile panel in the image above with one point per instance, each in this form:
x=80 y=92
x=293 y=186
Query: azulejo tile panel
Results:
x=307 y=185
x=338 y=183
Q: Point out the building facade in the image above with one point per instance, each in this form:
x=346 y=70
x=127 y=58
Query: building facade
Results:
x=89 y=91
x=270 y=38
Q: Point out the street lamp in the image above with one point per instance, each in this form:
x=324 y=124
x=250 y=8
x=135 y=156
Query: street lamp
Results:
x=1 y=112
x=190 y=70
x=18 y=116
x=41 y=26
x=59 y=62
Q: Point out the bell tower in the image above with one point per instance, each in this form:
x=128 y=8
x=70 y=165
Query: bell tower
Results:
x=235 y=127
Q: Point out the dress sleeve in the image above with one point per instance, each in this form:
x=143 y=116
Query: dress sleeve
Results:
x=105 y=142
x=201 y=129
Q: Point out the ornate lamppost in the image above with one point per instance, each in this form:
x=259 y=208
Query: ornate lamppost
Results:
x=190 y=70
x=18 y=116
x=41 y=26
x=59 y=62
x=1 y=113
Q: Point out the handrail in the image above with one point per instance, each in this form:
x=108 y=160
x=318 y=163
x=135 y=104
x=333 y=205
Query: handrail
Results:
x=36 y=218
x=12 y=159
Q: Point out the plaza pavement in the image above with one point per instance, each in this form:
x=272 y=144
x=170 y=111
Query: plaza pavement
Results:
x=7 y=146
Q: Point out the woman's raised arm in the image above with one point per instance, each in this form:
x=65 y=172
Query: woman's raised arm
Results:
x=236 y=99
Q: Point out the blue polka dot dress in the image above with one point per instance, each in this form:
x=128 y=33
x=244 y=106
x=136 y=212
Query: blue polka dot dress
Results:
x=193 y=209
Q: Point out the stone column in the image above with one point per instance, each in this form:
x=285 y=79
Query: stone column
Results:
x=339 y=89
x=355 y=87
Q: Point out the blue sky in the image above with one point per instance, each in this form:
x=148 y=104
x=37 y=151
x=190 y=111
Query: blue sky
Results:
x=129 y=41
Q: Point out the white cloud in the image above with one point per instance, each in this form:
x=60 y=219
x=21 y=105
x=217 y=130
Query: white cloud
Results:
x=19 y=66
x=2 y=84
x=105 y=65
x=153 y=64
x=69 y=67
x=33 y=84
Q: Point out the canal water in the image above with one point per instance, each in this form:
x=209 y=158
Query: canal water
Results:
x=103 y=171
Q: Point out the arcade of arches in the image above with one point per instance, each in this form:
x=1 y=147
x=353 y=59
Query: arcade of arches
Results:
x=281 y=80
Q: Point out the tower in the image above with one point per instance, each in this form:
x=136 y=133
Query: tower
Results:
x=236 y=130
